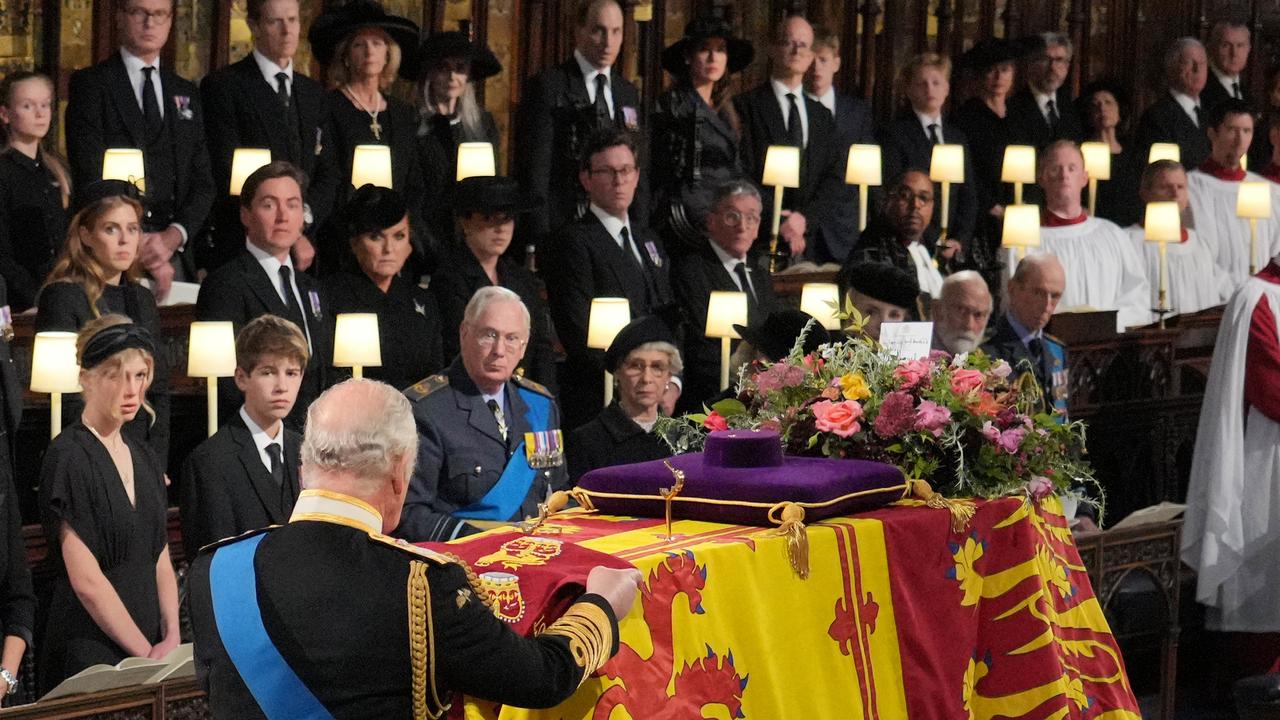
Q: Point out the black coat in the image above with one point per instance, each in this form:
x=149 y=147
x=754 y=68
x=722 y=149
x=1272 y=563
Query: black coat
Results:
x=610 y=439
x=906 y=146
x=693 y=277
x=408 y=325
x=1215 y=92
x=33 y=225
x=227 y=490
x=854 y=122
x=988 y=135
x=555 y=122
x=1028 y=126
x=240 y=291
x=454 y=288
x=103 y=112
x=245 y=112
x=1165 y=121
x=438 y=141
x=824 y=199
x=17 y=598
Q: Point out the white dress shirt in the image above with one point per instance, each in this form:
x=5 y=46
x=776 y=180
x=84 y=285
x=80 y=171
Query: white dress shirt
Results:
x=133 y=66
x=827 y=99
x=271 y=266
x=1188 y=105
x=613 y=225
x=730 y=265
x=1227 y=80
x=261 y=439
x=780 y=92
x=1042 y=102
x=926 y=121
x=589 y=73
x=270 y=69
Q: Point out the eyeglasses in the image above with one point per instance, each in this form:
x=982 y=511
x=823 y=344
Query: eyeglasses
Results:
x=140 y=16
x=638 y=367
x=510 y=343
x=623 y=173
x=733 y=218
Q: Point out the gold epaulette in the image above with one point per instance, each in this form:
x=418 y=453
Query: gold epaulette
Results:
x=235 y=539
x=418 y=552
x=590 y=636
x=425 y=387
x=528 y=384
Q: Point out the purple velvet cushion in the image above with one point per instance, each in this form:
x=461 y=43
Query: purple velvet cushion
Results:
x=747 y=470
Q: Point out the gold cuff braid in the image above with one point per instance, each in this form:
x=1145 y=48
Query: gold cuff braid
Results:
x=590 y=636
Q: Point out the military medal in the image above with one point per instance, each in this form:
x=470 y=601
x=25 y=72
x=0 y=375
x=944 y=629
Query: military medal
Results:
x=315 y=303
x=544 y=449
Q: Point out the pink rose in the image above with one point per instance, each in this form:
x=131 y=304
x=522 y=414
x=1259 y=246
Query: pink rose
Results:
x=912 y=372
x=932 y=417
x=840 y=418
x=1039 y=486
x=1011 y=439
x=990 y=432
x=715 y=421
x=964 y=382
x=1001 y=369
x=897 y=414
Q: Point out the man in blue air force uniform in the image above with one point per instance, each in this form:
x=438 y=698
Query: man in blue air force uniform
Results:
x=1018 y=336
x=491 y=447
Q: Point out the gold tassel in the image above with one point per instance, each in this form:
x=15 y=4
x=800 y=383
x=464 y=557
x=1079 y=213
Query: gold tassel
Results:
x=797 y=538
x=584 y=500
x=962 y=511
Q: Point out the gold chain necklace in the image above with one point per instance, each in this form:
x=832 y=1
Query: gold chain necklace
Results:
x=373 y=114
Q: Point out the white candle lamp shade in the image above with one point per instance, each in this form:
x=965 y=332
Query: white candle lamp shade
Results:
x=244 y=161
x=724 y=310
x=53 y=363
x=475 y=159
x=608 y=316
x=1253 y=200
x=355 y=340
x=1097 y=160
x=821 y=300
x=211 y=349
x=781 y=166
x=1163 y=223
x=1021 y=227
x=863 y=166
x=1019 y=164
x=1164 y=151
x=947 y=164
x=125 y=164
x=371 y=165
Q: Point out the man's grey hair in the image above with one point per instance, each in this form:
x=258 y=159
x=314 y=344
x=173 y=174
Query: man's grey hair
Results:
x=1034 y=263
x=1173 y=55
x=734 y=188
x=1222 y=26
x=485 y=297
x=363 y=428
x=1057 y=39
x=955 y=281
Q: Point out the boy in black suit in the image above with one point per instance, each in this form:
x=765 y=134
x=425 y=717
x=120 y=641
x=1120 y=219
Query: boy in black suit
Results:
x=222 y=497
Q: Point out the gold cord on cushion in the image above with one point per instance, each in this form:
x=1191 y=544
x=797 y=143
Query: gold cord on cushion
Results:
x=590 y=636
x=797 y=538
x=962 y=511
x=422 y=646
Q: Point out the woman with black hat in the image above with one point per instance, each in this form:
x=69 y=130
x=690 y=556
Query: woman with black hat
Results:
x=364 y=48
x=983 y=119
x=695 y=129
x=376 y=224
x=96 y=273
x=1104 y=108
x=448 y=66
x=486 y=210
x=643 y=358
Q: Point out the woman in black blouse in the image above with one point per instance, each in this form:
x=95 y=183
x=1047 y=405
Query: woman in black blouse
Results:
x=102 y=501
x=982 y=119
x=363 y=48
x=409 y=334
x=97 y=273
x=34 y=187
x=486 y=209
x=695 y=129
x=1104 y=108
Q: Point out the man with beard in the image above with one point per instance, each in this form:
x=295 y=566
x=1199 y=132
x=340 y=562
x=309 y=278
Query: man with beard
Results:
x=961 y=312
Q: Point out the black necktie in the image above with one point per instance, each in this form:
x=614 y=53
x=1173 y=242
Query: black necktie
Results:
x=933 y=134
x=1235 y=90
x=629 y=248
x=150 y=107
x=282 y=88
x=795 y=130
x=1053 y=115
x=497 y=415
x=741 y=271
x=1035 y=346
x=602 y=105
x=277 y=474
x=1199 y=116
x=292 y=311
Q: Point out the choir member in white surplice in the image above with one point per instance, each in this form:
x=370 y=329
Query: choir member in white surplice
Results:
x=1213 y=188
x=1231 y=534
x=1195 y=281
x=1104 y=271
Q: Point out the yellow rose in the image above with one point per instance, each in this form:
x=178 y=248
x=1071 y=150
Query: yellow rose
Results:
x=854 y=386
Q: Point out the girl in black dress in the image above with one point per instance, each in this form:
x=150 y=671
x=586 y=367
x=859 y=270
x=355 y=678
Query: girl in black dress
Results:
x=102 y=500
x=695 y=129
x=409 y=334
x=34 y=187
x=97 y=273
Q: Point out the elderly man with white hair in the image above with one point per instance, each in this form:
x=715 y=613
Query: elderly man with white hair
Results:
x=491 y=448
x=961 y=312
x=280 y=614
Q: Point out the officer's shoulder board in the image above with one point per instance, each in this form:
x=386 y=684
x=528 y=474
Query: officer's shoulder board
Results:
x=235 y=539
x=404 y=546
x=423 y=388
x=528 y=384
x=1054 y=339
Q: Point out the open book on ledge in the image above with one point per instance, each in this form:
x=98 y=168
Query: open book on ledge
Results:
x=179 y=663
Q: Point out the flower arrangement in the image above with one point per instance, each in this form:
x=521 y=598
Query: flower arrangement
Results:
x=967 y=424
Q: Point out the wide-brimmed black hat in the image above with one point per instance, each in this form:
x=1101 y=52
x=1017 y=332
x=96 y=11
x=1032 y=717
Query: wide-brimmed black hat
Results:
x=372 y=209
x=100 y=189
x=990 y=52
x=333 y=25
x=491 y=194
x=453 y=44
x=646 y=329
x=675 y=58
x=774 y=336
x=881 y=281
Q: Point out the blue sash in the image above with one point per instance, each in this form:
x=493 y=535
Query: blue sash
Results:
x=504 y=499
x=1055 y=358
x=234 y=586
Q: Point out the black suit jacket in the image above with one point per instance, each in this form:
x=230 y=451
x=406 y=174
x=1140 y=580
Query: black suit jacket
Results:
x=103 y=112
x=227 y=490
x=693 y=277
x=1214 y=92
x=1028 y=126
x=823 y=197
x=556 y=120
x=1004 y=344
x=906 y=146
x=1166 y=121
x=853 y=121
x=245 y=112
x=240 y=291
